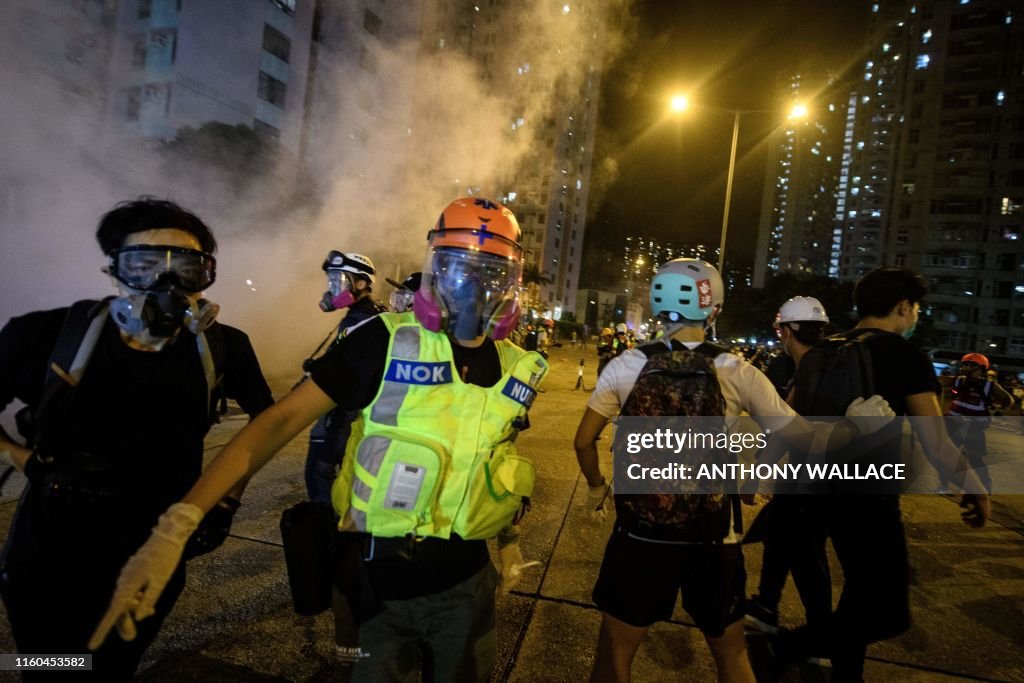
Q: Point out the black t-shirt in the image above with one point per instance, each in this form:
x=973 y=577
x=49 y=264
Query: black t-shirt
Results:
x=900 y=370
x=143 y=413
x=351 y=373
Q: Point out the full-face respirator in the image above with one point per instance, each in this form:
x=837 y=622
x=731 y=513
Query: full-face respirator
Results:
x=159 y=281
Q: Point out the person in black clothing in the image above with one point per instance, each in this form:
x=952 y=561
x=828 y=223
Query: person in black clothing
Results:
x=865 y=527
x=108 y=456
x=795 y=534
x=605 y=350
x=350 y=281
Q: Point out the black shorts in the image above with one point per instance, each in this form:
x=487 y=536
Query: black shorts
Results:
x=640 y=580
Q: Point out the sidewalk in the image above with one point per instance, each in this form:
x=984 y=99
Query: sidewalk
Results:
x=235 y=623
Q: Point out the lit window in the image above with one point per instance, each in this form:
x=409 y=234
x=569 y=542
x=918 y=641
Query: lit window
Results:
x=922 y=62
x=926 y=36
x=964 y=2
x=874 y=7
x=867 y=76
x=885 y=47
x=1000 y=97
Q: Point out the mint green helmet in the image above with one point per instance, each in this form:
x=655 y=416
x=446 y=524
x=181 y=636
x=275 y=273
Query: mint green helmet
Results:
x=686 y=289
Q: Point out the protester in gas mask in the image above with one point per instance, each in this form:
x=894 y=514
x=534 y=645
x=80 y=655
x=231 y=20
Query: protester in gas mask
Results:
x=119 y=395
x=431 y=470
x=350 y=281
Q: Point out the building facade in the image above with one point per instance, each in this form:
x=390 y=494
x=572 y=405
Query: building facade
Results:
x=178 y=63
x=802 y=183
x=938 y=159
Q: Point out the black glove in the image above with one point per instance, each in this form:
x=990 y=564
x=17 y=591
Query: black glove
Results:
x=214 y=528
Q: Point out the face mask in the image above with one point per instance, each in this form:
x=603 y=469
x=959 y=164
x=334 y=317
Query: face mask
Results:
x=909 y=332
x=158 y=314
x=339 y=292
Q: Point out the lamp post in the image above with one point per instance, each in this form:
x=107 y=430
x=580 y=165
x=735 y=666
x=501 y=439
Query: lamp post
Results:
x=680 y=103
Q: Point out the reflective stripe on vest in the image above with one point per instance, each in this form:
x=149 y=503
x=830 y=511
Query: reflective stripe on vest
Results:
x=411 y=455
x=970 y=399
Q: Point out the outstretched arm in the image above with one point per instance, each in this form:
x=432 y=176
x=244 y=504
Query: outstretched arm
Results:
x=257 y=443
x=147 y=572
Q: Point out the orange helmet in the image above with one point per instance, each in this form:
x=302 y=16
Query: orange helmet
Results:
x=977 y=359
x=473 y=271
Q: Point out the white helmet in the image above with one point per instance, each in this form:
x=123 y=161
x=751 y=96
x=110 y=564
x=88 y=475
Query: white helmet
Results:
x=357 y=264
x=686 y=289
x=802 y=309
x=621 y=328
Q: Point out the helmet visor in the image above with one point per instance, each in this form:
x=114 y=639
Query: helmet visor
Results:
x=147 y=267
x=339 y=281
x=473 y=285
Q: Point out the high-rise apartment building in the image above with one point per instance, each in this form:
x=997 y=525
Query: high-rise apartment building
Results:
x=801 y=185
x=936 y=174
x=183 y=63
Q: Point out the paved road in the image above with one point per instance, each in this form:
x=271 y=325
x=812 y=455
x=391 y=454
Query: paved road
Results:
x=234 y=622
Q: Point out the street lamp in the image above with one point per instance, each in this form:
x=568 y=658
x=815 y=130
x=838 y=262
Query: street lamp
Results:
x=680 y=103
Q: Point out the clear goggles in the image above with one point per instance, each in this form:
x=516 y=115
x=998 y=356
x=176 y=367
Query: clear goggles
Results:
x=146 y=267
x=401 y=300
x=462 y=275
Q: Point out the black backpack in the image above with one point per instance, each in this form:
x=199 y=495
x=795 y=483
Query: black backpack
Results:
x=676 y=382
x=833 y=373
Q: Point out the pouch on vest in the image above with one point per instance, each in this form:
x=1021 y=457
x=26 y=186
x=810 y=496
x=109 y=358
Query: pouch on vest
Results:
x=396 y=484
x=498 y=485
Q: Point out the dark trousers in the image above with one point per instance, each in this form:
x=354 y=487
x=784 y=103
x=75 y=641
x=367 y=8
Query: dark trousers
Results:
x=54 y=611
x=867 y=535
x=795 y=542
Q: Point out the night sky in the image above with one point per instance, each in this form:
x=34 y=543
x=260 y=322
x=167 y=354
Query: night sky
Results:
x=732 y=54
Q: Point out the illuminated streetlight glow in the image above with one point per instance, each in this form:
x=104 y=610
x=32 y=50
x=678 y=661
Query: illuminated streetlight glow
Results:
x=680 y=103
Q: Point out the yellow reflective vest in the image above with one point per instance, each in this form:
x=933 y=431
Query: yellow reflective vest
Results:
x=432 y=455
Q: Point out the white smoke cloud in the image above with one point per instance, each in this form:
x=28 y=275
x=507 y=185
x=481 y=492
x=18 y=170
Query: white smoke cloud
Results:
x=451 y=132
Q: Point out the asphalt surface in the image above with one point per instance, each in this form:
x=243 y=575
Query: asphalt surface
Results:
x=235 y=622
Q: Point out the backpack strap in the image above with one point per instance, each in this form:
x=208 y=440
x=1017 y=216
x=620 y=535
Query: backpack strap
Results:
x=82 y=327
x=211 y=346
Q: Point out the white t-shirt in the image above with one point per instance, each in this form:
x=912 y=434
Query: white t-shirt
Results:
x=745 y=388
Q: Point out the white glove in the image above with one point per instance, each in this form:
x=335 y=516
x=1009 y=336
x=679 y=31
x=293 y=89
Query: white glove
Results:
x=147 y=572
x=877 y=411
x=512 y=565
x=599 y=499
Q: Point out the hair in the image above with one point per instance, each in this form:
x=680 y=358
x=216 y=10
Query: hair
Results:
x=150 y=213
x=878 y=292
x=807 y=332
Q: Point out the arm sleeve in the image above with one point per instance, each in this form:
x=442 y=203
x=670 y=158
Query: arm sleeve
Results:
x=353 y=368
x=757 y=395
x=25 y=346
x=615 y=383
x=918 y=374
x=243 y=377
